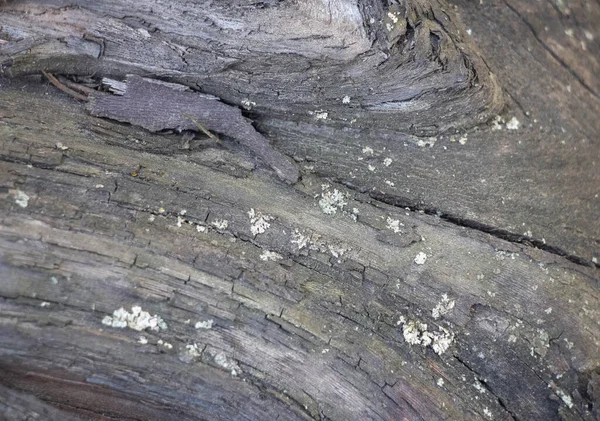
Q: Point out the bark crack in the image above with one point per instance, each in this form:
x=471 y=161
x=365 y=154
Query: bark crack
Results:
x=500 y=233
x=487 y=387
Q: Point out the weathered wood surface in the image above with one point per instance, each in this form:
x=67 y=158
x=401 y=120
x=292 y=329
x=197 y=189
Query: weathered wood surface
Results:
x=317 y=316
x=420 y=83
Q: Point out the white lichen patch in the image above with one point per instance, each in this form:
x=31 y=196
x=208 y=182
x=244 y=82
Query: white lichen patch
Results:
x=164 y=344
x=393 y=17
x=137 y=320
x=21 y=198
x=346 y=100
x=487 y=413
x=62 y=147
x=204 y=324
x=221 y=224
x=513 y=124
x=367 y=150
x=394 y=225
x=387 y=162
x=477 y=385
x=337 y=251
x=270 y=255
x=566 y=398
x=300 y=239
x=143 y=340
x=371 y=167
x=416 y=333
x=247 y=104
x=443 y=307
x=193 y=350
x=222 y=361
x=463 y=140
x=440 y=382
x=502 y=255
x=442 y=341
x=200 y=228
x=497 y=123
x=430 y=141
x=320 y=114
x=45 y=304
x=259 y=222
x=420 y=258
x=389 y=183
x=332 y=201
x=180 y=221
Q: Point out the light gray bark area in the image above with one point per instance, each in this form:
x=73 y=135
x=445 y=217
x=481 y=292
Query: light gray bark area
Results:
x=313 y=300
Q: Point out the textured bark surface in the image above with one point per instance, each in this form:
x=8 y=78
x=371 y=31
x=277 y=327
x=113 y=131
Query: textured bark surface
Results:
x=434 y=261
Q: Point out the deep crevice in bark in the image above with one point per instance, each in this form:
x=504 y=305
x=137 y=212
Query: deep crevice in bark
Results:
x=500 y=233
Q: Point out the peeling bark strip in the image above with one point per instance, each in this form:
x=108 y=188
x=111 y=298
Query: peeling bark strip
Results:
x=403 y=68
x=157 y=107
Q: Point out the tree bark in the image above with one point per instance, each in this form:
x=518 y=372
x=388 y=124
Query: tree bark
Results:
x=393 y=215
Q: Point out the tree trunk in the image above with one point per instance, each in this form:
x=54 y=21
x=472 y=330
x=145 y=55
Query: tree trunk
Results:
x=334 y=210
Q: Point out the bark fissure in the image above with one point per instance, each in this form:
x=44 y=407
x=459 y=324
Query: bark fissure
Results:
x=500 y=233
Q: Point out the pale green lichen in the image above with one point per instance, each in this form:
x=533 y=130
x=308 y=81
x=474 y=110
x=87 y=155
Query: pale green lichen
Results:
x=270 y=255
x=443 y=307
x=21 y=198
x=420 y=258
x=367 y=150
x=208 y=324
x=319 y=114
x=332 y=201
x=137 y=320
x=247 y=104
x=394 y=225
x=336 y=251
x=220 y=224
x=193 y=350
x=513 y=124
x=223 y=361
x=260 y=223
x=300 y=239
x=416 y=333
x=566 y=398
x=164 y=344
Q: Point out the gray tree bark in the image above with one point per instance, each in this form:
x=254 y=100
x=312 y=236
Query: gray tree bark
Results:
x=323 y=210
